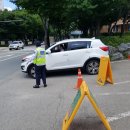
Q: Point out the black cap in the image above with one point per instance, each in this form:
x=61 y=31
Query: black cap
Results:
x=38 y=43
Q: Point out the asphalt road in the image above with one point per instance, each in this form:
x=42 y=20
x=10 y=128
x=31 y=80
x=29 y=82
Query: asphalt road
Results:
x=10 y=60
x=24 y=108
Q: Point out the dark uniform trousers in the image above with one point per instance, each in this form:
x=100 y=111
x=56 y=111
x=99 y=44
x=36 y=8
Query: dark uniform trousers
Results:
x=40 y=72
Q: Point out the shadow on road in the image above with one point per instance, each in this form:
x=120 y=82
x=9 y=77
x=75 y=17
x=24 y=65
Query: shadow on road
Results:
x=58 y=73
x=62 y=73
x=87 y=124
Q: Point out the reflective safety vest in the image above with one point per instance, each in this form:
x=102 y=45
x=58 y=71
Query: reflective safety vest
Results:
x=40 y=57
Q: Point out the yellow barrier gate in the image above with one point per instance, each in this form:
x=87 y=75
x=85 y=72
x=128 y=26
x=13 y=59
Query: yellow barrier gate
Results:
x=82 y=92
x=105 y=71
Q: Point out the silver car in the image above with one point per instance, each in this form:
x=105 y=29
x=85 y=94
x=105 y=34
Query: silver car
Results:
x=16 y=45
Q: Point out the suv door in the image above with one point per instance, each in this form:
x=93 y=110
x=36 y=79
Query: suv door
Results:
x=58 y=58
x=78 y=53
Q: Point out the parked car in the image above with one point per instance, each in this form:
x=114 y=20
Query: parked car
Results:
x=83 y=53
x=16 y=45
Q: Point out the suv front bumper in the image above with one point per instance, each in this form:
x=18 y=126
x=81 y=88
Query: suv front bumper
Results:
x=13 y=47
x=24 y=66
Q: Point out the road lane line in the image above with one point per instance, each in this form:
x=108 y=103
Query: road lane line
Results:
x=119 y=61
x=6 y=56
x=117 y=83
x=117 y=93
x=18 y=52
x=11 y=57
x=119 y=116
x=122 y=82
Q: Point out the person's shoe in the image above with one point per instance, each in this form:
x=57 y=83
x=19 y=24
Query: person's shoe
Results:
x=45 y=85
x=36 y=86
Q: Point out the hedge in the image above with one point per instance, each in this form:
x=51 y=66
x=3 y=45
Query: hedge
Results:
x=115 y=40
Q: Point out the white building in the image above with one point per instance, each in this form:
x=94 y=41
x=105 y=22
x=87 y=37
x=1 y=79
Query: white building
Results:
x=1 y=4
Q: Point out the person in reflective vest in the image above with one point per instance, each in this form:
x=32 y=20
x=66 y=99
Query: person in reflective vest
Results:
x=39 y=61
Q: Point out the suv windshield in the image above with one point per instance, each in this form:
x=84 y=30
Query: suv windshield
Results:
x=14 y=43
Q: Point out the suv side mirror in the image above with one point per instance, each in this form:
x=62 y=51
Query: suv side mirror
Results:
x=48 y=52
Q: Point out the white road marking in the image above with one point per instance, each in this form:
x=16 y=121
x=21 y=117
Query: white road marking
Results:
x=4 y=50
x=119 y=61
x=122 y=82
x=11 y=57
x=12 y=54
x=119 y=116
x=6 y=56
x=16 y=52
x=117 y=93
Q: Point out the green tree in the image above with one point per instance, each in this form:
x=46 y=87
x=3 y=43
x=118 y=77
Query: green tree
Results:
x=45 y=9
x=19 y=25
x=86 y=15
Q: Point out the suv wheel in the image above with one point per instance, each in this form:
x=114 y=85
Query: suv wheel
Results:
x=17 y=48
x=31 y=71
x=92 y=67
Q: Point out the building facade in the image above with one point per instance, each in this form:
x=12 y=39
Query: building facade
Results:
x=116 y=28
x=1 y=4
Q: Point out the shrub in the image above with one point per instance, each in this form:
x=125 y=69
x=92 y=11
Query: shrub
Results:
x=115 y=40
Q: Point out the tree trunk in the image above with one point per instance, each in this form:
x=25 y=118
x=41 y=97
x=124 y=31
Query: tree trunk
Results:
x=59 y=33
x=109 y=28
x=46 y=30
x=85 y=32
x=26 y=39
x=91 y=30
x=45 y=22
x=98 y=28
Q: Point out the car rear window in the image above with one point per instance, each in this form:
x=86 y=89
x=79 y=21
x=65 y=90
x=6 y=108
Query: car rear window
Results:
x=79 y=45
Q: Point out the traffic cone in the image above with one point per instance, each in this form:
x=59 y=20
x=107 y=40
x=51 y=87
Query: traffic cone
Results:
x=80 y=79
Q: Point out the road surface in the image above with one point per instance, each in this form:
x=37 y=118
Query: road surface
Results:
x=24 y=108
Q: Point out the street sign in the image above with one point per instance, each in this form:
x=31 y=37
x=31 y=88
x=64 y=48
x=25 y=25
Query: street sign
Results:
x=82 y=92
x=105 y=71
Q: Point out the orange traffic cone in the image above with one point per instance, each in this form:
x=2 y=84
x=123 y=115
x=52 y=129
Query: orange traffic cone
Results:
x=80 y=79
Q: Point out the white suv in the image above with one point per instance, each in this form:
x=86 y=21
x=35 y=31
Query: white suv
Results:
x=71 y=53
x=16 y=45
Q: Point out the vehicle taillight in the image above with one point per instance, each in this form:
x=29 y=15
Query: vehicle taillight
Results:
x=105 y=48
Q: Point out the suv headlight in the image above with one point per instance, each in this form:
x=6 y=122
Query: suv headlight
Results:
x=25 y=59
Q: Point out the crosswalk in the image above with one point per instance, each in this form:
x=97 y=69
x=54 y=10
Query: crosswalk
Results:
x=6 y=54
x=2 y=49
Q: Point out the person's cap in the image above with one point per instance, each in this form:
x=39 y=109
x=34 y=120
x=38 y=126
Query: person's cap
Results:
x=38 y=43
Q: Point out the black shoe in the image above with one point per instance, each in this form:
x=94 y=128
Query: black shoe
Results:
x=36 y=86
x=45 y=85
